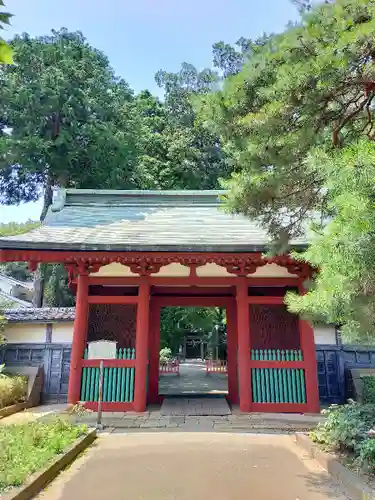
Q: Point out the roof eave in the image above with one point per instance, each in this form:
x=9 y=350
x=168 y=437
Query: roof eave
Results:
x=185 y=248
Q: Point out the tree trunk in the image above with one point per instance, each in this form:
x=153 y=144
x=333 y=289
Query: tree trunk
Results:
x=38 y=276
x=38 y=287
x=47 y=198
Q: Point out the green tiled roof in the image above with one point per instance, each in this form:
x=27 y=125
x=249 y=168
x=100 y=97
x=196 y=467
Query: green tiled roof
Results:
x=187 y=221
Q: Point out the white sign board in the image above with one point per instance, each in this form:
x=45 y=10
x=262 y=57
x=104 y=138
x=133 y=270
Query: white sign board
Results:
x=102 y=349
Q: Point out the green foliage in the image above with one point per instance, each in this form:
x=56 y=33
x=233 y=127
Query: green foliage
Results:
x=12 y=389
x=17 y=270
x=347 y=430
x=343 y=291
x=55 y=276
x=297 y=122
x=6 y=52
x=56 y=290
x=189 y=156
x=28 y=448
x=77 y=128
x=14 y=228
x=346 y=427
x=366 y=458
x=165 y=354
x=369 y=390
x=176 y=322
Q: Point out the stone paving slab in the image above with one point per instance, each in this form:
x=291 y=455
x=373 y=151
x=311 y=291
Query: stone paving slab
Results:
x=193 y=379
x=211 y=406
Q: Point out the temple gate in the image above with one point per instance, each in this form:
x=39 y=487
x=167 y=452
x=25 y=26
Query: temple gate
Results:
x=130 y=253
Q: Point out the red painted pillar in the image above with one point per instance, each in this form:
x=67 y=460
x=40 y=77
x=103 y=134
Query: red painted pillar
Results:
x=309 y=355
x=154 y=347
x=141 y=347
x=243 y=330
x=232 y=352
x=79 y=339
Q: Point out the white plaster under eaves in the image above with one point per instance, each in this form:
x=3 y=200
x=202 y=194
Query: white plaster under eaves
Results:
x=211 y=270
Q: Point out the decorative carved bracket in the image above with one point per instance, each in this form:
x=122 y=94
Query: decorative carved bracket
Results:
x=150 y=263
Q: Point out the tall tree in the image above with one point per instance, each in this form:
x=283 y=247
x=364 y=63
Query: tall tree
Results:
x=65 y=119
x=194 y=154
x=286 y=120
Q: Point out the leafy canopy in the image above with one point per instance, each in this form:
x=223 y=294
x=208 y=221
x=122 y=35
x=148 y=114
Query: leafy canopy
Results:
x=297 y=122
x=66 y=119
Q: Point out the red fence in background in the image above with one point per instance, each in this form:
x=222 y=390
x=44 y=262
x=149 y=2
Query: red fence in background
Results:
x=169 y=367
x=216 y=366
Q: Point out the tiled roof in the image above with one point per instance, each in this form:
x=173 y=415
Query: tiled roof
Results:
x=38 y=315
x=24 y=284
x=6 y=297
x=142 y=221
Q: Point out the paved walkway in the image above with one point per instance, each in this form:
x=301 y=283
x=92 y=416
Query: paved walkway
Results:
x=153 y=420
x=191 y=467
x=193 y=379
x=204 y=406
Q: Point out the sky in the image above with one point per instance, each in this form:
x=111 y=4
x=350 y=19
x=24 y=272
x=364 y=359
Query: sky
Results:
x=140 y=37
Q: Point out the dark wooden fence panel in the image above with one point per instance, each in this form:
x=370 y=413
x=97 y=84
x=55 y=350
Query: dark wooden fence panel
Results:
x=331 y=374
x=55 y=358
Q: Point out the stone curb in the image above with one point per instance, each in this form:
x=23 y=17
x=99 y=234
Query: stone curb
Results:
x=357 y=489
x=11 y=410
x=39 y=479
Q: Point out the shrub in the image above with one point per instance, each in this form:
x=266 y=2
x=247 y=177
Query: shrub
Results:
x=346 y=426
x=12 y=389
x=369 y=390
x=165 y=354
x=366 y=458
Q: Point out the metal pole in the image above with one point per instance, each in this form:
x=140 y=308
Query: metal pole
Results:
x=99 y=424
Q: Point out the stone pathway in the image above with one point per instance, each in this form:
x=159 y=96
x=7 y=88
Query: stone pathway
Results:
x=153 y=420
x=191 y=466
x=193 y=379
x=206 y=406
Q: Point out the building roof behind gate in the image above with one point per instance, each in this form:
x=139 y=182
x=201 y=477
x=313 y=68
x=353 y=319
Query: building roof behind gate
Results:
x=137 y=221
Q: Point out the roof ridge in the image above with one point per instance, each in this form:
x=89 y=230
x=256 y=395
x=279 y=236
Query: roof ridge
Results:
x=14 y=280
x=40 y=309
x=133 y=197
x=16 y=300
x=39 y=314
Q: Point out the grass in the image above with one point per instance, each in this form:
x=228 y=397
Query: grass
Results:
x=28 y=448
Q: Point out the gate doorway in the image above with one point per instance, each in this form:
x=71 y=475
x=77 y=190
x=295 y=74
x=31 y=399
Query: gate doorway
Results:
x=193 y=345
x=193 y=351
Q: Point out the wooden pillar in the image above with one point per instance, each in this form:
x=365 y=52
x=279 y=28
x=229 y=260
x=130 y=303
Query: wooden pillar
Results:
x=154 y=347
x=141 y=347
x=309 y=356
x=232 y=352
x=243 y=331
x=79 y=339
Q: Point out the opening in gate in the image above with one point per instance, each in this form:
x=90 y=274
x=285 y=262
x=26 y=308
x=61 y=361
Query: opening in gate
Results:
x=193 y=351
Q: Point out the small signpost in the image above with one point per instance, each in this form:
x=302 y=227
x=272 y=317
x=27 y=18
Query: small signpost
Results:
x=99 y=424
x=101 y=349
